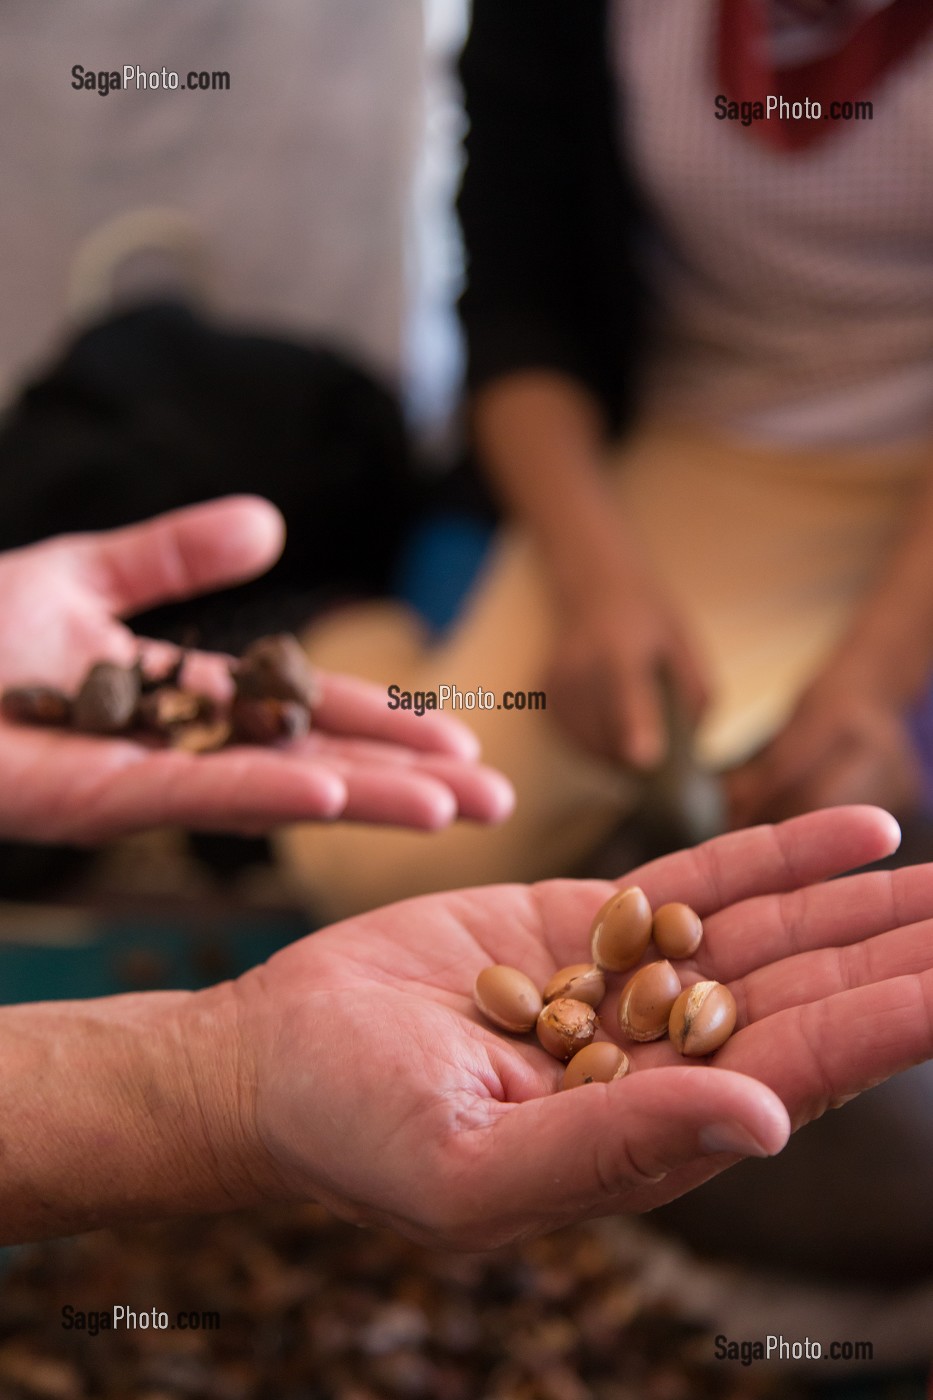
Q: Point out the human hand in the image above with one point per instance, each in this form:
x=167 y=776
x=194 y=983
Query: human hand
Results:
x=60 y=602
x=620 y=662
x=617 y=641
x=363 y=1076
x=843 y=743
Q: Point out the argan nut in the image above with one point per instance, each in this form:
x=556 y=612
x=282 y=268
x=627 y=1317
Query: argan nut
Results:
x=276 y=668
x=702 y=1018
x=161 y=709
x=597 y=1063
x=268 y=721
x=565 y=1026
x=621 y=930
x=508 y=998
x=583 y=981
x=106 y=702
x=36 y=704
x=203 y=736
x=171 y=677
x=677 y=930
x=646 y=1001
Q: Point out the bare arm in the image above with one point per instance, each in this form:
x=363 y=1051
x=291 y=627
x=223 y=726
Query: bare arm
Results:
x=551 y=312
x=889 y=648
x=353 y=1068
x=849 y=738
x=542 y=437
x=103 y=1111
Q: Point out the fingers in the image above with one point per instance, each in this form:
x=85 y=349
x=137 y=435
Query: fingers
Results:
x=759 y=932
x=755 y=789
x=426 y=793
x=640 y=718
x=477 y=793
x=604 y=1148
x=184 y=552
x=808 y=977
x=769 y=859
x=249 y=790
x=354 y=707
x=816 y=1056
x=689 y=682
x=885 y=773
x=661 y=702
x=824 y=757
x=637 y=1143
x=409 y=770
x=240 y=790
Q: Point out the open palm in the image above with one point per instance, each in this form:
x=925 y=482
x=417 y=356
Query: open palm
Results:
x=60 y=605
x=379 y=1091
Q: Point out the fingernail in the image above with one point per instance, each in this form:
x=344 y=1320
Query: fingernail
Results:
x=502 y=796
x=732 y=1138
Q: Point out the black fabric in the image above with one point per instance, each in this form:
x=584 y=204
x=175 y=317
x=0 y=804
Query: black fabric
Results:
x=549 y=219
x=159 y=408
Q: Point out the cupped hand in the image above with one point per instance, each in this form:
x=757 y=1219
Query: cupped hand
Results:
x=60 y=605
x=841 y=744
x=369 y=1081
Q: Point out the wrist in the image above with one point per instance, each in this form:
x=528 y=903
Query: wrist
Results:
x=215 y=1075
x=123 y=1108
x=884 y=673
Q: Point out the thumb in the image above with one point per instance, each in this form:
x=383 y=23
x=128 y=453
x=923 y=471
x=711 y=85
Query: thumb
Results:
x=605 y=1148
x=185 y=552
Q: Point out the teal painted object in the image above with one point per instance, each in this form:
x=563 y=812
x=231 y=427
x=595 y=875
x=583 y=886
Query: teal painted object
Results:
x=439 y=563
x=142 y=954
x=137 y=954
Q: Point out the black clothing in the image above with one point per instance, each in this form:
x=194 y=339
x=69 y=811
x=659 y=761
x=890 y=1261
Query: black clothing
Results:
x=549 y=219
x=159 y=408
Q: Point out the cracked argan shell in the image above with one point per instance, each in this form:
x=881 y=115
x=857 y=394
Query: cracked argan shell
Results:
x=565 y=1026
x=582 y=981
x=702 y=1018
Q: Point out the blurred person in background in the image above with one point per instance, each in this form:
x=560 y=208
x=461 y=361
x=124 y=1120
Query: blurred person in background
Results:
x=699 y=357
x=276 y=197
x=783 y=414
x=700 y=348
x=206 y=290
x=835 y=990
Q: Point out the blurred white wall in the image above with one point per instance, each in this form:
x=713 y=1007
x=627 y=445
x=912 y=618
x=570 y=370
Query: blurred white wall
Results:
x=434 y=352
x=299 y=175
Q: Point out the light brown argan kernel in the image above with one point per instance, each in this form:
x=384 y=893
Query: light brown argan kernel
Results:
x=565 y=1026
x=597 y=1063
x=646 y=1001
x=507 y=997
x=677 y=930
x=702 y=1018
x=582 y=981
